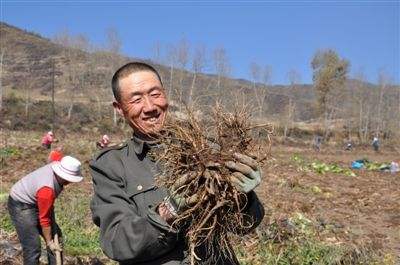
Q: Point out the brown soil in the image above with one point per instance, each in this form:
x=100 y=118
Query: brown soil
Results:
x=363 y=210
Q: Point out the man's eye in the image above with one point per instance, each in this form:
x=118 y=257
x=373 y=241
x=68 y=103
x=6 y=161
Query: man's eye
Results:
x=136 y=100
x=155 y=94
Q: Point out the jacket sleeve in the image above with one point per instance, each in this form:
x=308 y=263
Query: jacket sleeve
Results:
x=45 y=201
x=124 y=234
x=254 y=212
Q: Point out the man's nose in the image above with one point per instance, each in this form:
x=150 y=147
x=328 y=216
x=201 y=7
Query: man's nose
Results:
x=148 y=104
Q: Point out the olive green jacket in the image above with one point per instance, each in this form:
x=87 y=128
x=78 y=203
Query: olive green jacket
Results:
x=123 y=206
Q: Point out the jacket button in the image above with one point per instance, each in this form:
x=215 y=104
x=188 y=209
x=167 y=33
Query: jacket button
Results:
x=140 y=187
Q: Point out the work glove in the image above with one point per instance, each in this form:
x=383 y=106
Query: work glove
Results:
x=175 y=201
x=53 y=246
x=246 y=174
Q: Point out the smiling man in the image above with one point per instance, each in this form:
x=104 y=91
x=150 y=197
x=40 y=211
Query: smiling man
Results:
x=133 y=214
x=140 y=98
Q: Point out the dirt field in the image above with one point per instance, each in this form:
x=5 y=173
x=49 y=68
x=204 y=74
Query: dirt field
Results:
x=361 y=210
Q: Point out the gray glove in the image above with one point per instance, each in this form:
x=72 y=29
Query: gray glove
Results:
x=246 y=174
x=175 y=202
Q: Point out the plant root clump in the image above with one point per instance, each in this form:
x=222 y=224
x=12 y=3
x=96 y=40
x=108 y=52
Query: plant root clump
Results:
x=192 y=155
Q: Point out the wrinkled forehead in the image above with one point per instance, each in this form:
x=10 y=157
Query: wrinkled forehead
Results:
x=140 y=79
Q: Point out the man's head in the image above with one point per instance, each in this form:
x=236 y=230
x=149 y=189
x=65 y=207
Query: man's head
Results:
x=140 y=98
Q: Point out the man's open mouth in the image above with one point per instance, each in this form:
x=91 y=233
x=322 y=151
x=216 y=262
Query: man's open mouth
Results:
x=152 y=119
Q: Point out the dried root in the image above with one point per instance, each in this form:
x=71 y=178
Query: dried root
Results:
x=192 y=156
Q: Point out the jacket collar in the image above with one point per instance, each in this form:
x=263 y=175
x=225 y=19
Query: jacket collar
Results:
x=139 y=144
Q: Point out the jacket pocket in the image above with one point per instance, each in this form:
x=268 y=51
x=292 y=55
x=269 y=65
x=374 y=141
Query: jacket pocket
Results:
x=146 y=197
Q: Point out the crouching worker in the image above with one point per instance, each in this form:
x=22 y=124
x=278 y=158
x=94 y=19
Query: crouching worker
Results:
x=31 y=207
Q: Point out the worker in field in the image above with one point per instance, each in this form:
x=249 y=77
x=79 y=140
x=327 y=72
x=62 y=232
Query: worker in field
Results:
x=375 y=144
x=349 y=146
x=31 y=207
x=104 y=142
x=56 y=154
x=317 y=143
x=133 y=214
x=48 y=139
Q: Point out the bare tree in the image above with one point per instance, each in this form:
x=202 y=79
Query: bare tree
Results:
x=359 y=108
x=172 y=61
x=182 y=51
x=114 y=42
x=1 y=75
x=221 y=63
x=2 y=54
x=62 y=38
x=294 y=79
x=382 y=88
x=198 y=63
x=255 y=72
x=53 y=103
x=76 y=50
x=266 y=75
x=27 y=91
x=182 y=56
x=157 y=53
x=262 y=91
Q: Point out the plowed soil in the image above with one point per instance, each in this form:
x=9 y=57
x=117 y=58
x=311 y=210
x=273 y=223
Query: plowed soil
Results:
x=364 y=209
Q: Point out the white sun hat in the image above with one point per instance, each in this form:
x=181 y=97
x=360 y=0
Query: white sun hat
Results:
x=68 y=168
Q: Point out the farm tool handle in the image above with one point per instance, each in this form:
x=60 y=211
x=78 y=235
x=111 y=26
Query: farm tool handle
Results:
x=58 y=253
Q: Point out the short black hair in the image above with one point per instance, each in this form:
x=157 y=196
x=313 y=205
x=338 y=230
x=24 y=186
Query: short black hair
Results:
x=126 y=70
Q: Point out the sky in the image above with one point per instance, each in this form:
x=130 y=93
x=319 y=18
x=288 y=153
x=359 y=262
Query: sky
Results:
x=281 y=34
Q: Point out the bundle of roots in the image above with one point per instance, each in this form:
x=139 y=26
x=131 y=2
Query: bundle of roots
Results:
x=192 y=156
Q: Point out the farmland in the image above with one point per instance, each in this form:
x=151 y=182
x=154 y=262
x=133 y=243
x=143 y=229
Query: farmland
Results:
x=318 y=209
x=312 y=217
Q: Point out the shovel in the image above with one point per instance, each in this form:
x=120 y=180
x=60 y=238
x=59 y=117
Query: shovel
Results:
x=58 y=253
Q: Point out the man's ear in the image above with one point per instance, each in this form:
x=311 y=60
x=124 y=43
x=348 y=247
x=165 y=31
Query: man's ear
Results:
x=117 y=107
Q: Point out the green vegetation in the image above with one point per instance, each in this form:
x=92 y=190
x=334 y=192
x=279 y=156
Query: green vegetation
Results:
x=80 y=235
x=289 y=242
x=8 y=152
x=5 y=222
x=296 y=241
x=376 y=165
x=320 y=167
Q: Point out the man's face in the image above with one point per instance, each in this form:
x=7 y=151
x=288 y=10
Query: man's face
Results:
x=143 y=103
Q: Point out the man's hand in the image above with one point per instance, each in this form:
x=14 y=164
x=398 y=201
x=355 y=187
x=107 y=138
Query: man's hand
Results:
x=246 y=174
x=175 y=202
x=53 y=246
x=165 y=213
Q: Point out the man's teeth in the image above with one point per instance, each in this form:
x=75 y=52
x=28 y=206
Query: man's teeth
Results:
x=153 y=119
